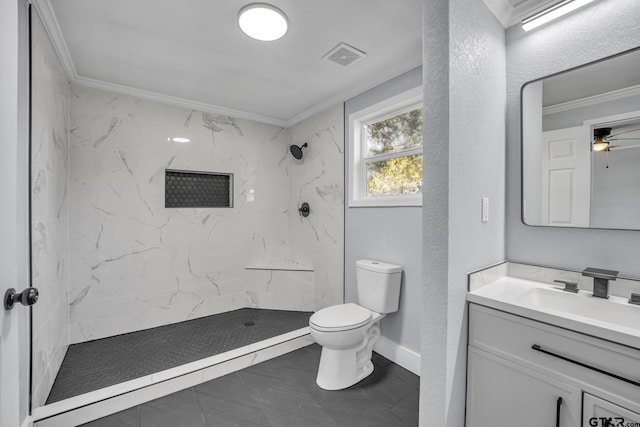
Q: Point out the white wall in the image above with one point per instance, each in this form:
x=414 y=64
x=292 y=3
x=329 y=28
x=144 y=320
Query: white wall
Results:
x=464 y=75
x=49 y=210
x=566 y=43
x=390 y=234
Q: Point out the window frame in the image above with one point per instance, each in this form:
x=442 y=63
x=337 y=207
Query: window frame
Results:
x=358 y=160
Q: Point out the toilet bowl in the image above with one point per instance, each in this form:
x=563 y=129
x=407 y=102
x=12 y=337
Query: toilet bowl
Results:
x=348 y=332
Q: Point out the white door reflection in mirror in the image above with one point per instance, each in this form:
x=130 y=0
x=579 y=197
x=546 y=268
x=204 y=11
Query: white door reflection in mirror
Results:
x=566 y=177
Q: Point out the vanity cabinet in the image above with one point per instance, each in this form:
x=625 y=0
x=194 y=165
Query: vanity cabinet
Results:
x=501 y=393
x=523 y=372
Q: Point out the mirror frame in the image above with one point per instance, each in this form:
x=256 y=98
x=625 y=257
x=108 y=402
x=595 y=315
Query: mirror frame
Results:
x=597 y=61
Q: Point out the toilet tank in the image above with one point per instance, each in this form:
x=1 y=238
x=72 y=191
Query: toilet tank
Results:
x=378 y=285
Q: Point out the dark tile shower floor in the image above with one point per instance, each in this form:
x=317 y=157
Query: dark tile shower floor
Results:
x=101 y=363
x=282 y=392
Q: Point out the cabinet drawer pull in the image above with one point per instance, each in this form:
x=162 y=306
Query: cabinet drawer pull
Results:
x=558 y=405
x=536 y=347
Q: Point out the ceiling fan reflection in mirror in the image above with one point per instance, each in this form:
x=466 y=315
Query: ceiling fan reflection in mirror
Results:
x=602 y=138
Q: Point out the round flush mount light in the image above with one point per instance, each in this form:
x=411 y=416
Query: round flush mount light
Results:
x=262 y=21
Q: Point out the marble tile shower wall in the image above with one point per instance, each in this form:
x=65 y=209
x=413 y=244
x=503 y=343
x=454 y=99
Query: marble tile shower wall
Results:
x=50 y=214
x=318 y=179
x=136 y=264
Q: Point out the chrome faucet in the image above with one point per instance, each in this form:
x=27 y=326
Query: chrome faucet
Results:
x=600 y=280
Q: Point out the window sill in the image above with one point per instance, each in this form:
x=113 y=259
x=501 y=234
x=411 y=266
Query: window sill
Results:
x=387 y=202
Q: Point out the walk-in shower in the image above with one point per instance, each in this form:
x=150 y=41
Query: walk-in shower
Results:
x=136 y=237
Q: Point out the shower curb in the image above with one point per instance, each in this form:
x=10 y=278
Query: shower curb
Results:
x=100 y=403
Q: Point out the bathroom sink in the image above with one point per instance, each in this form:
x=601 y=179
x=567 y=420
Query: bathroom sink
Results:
x=613 y=310
x=612 y=319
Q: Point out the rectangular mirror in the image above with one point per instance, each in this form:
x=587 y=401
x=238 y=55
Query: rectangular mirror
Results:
x=581 y=146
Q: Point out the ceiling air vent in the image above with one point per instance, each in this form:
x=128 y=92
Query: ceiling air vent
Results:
x=344 y=54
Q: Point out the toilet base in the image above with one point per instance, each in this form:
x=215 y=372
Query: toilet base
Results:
x=340 y=369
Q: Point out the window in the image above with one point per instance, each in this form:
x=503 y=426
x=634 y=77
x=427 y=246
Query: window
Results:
x=386 y=152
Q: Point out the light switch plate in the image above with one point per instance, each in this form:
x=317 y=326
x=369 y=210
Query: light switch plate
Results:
x=485 y=209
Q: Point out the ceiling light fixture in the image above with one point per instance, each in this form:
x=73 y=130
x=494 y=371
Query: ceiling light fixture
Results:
x=262 y=21
x=553 y=12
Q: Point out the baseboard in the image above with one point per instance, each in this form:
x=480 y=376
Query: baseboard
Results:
x=398 y=354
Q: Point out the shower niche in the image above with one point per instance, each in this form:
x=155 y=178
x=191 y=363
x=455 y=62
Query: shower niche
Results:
x=190 y=189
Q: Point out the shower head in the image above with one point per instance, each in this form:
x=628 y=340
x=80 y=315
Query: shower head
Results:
x=297 y=151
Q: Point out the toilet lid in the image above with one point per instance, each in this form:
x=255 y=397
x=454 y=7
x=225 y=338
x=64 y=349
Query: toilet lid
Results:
x=340 y=317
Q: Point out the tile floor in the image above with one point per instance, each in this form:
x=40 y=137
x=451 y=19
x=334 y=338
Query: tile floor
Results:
x=282 y=393
x=93 y=365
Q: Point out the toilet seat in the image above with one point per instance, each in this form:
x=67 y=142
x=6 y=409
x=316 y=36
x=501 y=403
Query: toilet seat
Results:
x=341 y=317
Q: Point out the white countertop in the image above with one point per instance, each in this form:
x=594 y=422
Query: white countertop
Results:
x=611 y=319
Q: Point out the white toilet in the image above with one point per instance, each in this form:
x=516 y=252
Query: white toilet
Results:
x=347 y=332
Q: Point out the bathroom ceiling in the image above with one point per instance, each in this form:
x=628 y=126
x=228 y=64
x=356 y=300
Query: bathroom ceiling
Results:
x=192 y=52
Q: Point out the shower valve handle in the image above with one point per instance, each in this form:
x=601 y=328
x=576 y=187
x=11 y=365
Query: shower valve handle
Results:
x=304 y=209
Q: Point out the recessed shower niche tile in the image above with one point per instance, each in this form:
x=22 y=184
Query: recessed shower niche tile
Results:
x=185 y=189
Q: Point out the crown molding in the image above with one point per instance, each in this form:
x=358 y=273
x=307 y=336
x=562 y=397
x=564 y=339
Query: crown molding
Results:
x=50 y=22
x=592 y=100
x=177 y=101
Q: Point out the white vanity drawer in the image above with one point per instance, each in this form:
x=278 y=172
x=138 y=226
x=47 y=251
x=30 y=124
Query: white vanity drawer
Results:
x=589 y=360
x=599 y=412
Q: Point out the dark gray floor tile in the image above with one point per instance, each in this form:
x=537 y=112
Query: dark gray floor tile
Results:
x=229 y=387
x=221 y=419
x=301 y=416
x=303 y=365
x=175 y=410
x=127 y=418
x=359 y=410
x=385 y=388
x=379 y=360
x=409 y=377
x=282 y=392
x=407 y=409
x=287 y=403
x=228 y=398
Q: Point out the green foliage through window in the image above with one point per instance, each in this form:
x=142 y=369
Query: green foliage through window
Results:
x=401 y=174
x=397 y=133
